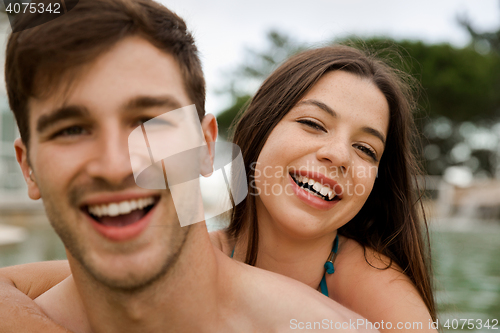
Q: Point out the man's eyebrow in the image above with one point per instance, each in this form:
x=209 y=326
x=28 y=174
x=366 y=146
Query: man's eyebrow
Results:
x=145 y=102
x=374 y=132
x=320 y=105
x=62 y=113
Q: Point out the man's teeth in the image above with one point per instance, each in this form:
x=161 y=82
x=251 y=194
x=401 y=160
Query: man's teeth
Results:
x=324 y=189
x=120 y=208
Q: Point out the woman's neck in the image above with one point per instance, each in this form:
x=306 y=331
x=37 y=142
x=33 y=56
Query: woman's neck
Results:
x=299 y=259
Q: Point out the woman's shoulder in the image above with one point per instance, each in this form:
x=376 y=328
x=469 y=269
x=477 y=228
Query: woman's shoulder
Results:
x=361 y=258
x=369 y=282
x=366 y=268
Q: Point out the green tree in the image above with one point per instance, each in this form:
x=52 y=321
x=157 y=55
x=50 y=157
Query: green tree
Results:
x=483 y=42
x=256 y=66
x=458 y=83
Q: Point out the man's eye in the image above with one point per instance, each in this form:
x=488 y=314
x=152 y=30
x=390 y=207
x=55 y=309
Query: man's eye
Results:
x=141 y=121
x=312 y=124
x=71 y=131
x=156 y=121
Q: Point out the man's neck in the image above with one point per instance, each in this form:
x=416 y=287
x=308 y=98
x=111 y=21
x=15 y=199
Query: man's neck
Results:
x=189 y=287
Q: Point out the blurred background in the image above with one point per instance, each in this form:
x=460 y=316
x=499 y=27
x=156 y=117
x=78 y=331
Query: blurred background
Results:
x=452 y=47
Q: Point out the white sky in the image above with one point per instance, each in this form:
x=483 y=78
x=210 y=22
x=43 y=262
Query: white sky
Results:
x=223 y=28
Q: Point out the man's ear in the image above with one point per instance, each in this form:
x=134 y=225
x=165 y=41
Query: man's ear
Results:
x=210 y=131
x=29 y=176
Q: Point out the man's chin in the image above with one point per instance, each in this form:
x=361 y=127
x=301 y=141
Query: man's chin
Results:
x=129 y=280
x=123 y=273
x=130 y=270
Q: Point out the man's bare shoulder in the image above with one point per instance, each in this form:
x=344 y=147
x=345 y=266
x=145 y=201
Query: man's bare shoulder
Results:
x=62 y=303
x=276 y=301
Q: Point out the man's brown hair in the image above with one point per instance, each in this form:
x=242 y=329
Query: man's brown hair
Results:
x=38 y=58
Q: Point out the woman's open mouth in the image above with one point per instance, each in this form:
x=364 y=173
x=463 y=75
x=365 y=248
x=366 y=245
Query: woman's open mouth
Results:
x=321 y=191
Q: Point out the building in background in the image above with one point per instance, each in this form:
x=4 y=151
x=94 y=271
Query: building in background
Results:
x=19 y=216
x=11 y=180
x=12 y=185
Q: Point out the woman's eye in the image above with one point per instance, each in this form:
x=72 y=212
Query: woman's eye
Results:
x=368 y=151
x=312 y=124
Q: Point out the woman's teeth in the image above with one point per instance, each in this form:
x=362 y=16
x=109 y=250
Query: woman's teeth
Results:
x=120 y=208
x=320 y=190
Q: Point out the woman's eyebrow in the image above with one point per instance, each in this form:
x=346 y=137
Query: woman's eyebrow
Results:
x=374 y=132
x=320 y=105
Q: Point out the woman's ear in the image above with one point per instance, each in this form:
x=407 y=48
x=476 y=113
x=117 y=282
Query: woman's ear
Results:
x=210 y=131
x=29 y=176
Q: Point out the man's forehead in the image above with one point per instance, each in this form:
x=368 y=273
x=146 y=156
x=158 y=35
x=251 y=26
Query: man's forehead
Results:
x=133 y=74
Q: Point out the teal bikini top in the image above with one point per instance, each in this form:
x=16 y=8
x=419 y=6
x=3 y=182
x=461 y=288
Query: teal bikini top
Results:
x=329 y=269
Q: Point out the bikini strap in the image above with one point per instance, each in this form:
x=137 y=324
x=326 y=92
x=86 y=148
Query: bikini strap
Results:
x=331 y=258
x=329 y=266
x=323 y=286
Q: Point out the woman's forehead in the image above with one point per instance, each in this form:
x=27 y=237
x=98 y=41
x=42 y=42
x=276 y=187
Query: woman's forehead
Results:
x=347 y=96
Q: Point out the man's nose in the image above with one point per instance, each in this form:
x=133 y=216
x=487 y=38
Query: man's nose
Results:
x=111 y=161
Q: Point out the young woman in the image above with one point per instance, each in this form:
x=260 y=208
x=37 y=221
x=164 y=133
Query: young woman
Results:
x=327 y=143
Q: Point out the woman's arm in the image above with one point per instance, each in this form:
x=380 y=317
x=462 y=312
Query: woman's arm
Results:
x=19 y=285
x=36 y=278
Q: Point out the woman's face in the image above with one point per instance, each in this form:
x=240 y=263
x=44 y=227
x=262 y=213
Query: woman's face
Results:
x=319 y=164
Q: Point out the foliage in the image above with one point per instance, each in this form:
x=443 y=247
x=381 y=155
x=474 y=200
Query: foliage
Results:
x=458 y=83
x=256 y=66
x=225 y=119
x=483 y=42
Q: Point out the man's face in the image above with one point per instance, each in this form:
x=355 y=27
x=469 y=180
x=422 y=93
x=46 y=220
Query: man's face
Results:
x=79 y=157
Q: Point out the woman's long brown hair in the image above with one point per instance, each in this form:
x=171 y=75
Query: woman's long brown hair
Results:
x=389 y=222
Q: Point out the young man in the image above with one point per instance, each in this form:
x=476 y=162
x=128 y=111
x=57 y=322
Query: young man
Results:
x=78 y=86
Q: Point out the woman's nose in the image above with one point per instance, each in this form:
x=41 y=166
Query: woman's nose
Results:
x=336 y=153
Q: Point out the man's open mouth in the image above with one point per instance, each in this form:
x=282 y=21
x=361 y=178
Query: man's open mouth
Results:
x=314 y=187
x=123 y=213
